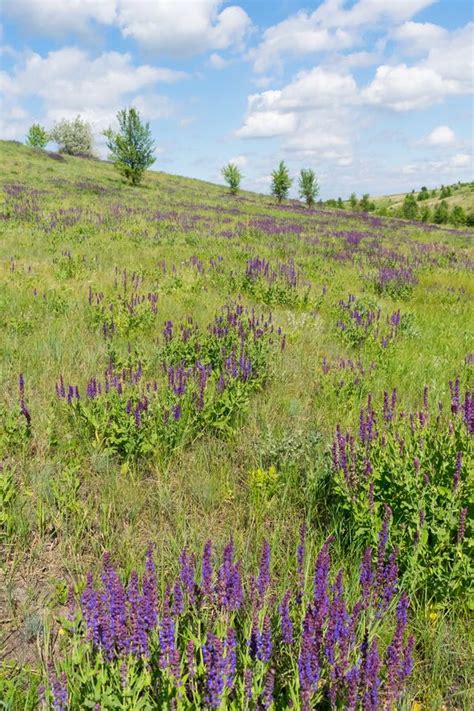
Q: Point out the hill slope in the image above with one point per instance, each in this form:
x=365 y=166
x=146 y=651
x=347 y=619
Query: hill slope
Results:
x=177 y=365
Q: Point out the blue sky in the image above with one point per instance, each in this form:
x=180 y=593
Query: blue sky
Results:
x=375 y=95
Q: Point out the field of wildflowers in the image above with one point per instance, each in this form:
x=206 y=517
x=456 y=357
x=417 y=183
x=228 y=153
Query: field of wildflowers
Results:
x=236 y=449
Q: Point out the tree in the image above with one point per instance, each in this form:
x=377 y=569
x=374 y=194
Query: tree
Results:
x=441 y=213
x=281 y=182
x=364 y=203
x=131 y=149
x=425 y=214
x=232 y=177
x=340 y=204
x=410 y=207
x=37 y=136
x=74 y=137
x=353 y=201
x=457 y=216
x=308 y=186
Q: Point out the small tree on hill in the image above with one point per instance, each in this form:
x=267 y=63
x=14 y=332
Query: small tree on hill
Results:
x=457 y=216
x=353 y=201
x=74 y=137
x=232 y=177
x=410 y=207
x=281 y=182
x=364 y=203
x=308 y=186
x=441 y=213
x=37 y=136
x=131 y=149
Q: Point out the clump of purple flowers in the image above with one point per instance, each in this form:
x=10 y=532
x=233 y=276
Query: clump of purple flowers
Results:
x=394 y=459
x=218 y=637
x=397 y=282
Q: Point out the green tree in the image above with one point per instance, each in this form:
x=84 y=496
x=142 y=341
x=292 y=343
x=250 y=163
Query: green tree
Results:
x=441 y=213
x=410 y=207
x=353 y=201
x=131 y=149
x=425 y=214
x=232 y=177
x=457 y=216
x=308 y=186
x=340 y=204
x=281 y=182
x=37 y=136
x=364 y=203
x=74 y=137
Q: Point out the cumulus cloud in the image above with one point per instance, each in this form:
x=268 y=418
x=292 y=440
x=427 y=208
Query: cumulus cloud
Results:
x=70 y=82
x=312 y=114
x=418 y=36
x=180 y=27
x=404 y=88
x=239 y=161
x=441 y=136
x=334 y=25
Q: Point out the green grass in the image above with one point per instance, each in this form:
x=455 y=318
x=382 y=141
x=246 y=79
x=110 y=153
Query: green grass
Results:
x=68 y=502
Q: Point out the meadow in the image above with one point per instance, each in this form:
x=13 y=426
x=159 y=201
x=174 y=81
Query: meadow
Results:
x=236 y=462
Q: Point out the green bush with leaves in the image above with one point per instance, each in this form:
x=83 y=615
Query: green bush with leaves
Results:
x=281 y=182
x=132 y=148
x=232 y=177
x=37 y=136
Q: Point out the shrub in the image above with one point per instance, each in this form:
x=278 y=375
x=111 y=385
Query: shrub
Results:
x=216 y=638
x=281 y=182
x=308 y=186
x=131 y=149
x=74 y=137
x=353 y=201
x=37 y=136
x=418 y=464
x=470 y=219
x=232 y=177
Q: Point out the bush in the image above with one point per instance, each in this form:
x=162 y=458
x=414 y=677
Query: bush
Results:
x=37 y=136
x=470 y=219
x=232 y=177
x=74 y=137
x=281 y=182
x=308 y=186
x=131 y=149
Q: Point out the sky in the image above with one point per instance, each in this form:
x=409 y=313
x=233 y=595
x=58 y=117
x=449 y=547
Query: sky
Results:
x=375 y=95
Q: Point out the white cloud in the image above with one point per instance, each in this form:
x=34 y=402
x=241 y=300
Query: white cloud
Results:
x=218 y=62
x=405 y=88
x=460 y=164
x=441 y=136
x=336 y=13
x=267 y=124
x=179 y=27
x=70 y=82
x=60 y=16
x=418 y=36
x=461 y=160
x=183 y=28
x=332 y=26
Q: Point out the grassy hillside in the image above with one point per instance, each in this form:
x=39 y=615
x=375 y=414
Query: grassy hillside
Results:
x=179 y=365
